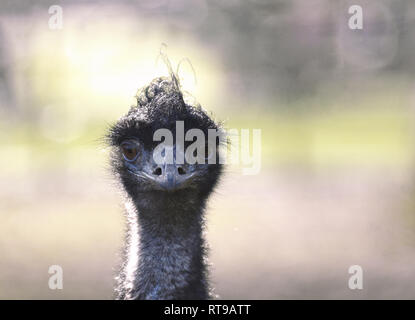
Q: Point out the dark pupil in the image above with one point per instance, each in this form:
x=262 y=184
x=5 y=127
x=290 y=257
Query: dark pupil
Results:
x=130 y=152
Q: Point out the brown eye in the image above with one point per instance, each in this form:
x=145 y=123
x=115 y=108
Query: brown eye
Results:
x=129 y=151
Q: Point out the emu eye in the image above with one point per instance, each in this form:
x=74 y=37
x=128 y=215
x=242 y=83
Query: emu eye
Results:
x=129 y=151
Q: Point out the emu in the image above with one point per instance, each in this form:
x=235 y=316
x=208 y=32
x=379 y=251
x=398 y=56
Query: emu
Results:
x=164 y=255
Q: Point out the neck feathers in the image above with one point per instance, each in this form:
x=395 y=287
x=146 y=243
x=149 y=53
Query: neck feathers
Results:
x=164 y=253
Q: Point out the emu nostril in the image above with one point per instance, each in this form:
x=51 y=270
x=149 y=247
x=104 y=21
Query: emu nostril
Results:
x=157 y=172
x=180 y=170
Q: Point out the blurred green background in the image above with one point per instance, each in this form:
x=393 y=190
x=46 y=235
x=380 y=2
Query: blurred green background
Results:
x=336 y=110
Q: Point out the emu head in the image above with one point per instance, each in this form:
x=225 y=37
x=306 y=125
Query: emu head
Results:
x=150 y=167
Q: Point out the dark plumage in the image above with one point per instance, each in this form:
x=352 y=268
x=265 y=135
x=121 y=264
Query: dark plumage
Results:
x=165 y=251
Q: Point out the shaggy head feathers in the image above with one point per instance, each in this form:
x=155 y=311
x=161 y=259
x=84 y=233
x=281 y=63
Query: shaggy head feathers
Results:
x=159 y=105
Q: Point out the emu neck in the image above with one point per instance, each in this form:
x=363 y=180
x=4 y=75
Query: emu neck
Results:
x=165 y=250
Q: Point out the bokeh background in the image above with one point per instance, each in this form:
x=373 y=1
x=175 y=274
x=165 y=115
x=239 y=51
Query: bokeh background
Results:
x=337 y=112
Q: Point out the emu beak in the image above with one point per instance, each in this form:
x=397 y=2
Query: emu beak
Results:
x=170 y=177
x=167 y=174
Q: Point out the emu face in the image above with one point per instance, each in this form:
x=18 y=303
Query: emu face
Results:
x=161 y=106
